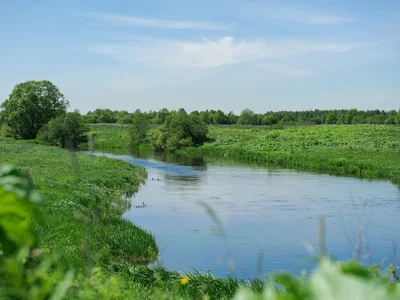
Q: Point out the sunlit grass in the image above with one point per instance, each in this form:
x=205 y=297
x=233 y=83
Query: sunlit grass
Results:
x=83 y=205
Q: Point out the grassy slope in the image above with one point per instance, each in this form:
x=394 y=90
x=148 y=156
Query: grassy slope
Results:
x=83 y=205
x=367 y=151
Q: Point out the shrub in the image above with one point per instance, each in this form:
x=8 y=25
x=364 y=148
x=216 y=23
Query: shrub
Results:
x=66 y=130
x=180 y=130
x=138 y=130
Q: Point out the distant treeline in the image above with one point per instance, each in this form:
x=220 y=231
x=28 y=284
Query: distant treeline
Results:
x=248 y=117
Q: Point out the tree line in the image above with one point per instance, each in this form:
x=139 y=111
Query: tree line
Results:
x=249 y=117
x=38 y=110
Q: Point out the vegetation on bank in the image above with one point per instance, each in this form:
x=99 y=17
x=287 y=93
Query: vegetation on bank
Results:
x=82 y=205
x=27 y=273
x=370 y=151
x=249 y=117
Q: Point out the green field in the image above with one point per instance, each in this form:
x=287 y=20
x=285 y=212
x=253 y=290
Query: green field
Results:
x=370 y=151
x=83 y=198
x=81 y=212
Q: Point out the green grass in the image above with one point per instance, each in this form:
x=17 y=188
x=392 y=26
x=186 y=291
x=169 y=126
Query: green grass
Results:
x=83 y=205
x=369 y=151
x=109 y=136
x=82 y=208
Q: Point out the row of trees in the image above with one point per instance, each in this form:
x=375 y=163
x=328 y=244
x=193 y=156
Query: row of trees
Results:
x=249 y=117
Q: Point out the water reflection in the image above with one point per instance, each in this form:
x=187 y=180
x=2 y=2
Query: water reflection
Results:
x=272 y=212
x=184 y=160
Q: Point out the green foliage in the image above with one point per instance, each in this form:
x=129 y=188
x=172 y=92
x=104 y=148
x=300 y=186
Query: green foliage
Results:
x=16 y=211
x=180 y=130
x=83 y=206
x=328 y=281
x=365 y=151
x=107 y=136
x=138 y=130
x=21 y=275
x=6 y=131
x=31 y=105
x=331 y=118
x=68 y=130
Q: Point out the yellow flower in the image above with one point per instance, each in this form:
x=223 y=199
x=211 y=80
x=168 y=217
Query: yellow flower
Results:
x=184 y=280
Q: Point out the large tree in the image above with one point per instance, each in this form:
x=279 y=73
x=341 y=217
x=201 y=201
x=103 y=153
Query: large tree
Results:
x=31 y=105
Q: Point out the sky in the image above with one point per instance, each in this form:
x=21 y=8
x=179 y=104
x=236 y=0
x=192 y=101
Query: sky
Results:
x=206 y=54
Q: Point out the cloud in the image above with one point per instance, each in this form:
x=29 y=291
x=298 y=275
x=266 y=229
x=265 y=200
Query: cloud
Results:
x=208 y=54
x=292 y=13
x=287 y=71
x=124 y=20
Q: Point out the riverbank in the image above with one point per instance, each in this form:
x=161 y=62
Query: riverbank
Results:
x=366 y=151
x=83 y=205
x=82 y=222
x=81 y=229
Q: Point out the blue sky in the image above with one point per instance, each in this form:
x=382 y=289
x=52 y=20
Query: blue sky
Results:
x=203 y=54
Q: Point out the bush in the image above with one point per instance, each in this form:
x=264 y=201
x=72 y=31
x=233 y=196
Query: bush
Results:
x=138 y=130
x=180 y=130
x=66 y=130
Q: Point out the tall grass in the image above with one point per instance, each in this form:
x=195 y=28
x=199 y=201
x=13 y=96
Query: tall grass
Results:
x=83 y=205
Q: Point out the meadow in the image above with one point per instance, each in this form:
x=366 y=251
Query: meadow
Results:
x=84 y=197
x=367 y=151
x=83 y=205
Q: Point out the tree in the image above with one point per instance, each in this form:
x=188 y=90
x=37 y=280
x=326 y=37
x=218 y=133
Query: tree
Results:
x=68 y=130
x=246 y=117
x=31 y=105
x=350 y=114
x=331 y=118
x=138 y=130
x=180 y=130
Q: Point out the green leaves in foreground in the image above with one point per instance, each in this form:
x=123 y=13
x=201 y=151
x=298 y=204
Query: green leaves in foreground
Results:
x=329 y=281
x=17 y=209
x=22 y=275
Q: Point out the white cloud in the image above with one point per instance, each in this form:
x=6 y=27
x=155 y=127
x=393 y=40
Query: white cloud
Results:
x=124 y=20
x=292 y=13
x=207 y=54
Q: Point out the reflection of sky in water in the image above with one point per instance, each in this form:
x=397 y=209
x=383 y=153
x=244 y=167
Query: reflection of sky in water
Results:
x=270 y=211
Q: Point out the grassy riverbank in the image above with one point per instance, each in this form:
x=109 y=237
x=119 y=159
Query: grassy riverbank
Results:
x=81 y=222
x=369 y=151
x=83 y=205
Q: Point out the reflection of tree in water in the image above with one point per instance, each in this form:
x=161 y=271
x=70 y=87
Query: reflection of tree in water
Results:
x=183 y=178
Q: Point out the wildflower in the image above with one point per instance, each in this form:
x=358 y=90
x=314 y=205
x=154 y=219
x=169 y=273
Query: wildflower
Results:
x=184 y=280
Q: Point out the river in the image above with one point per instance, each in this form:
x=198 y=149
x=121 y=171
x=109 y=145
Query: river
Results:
x=246 y=221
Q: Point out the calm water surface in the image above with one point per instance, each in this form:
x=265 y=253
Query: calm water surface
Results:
x=269 y=217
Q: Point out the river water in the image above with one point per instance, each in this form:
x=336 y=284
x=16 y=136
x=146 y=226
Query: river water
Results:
x=247 y=221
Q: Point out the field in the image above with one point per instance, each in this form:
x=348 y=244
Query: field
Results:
x=109 y=136
x=83 y=198
x=81 y=212
x=370 y=151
